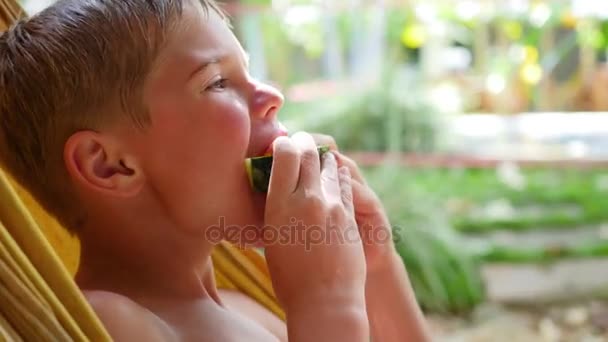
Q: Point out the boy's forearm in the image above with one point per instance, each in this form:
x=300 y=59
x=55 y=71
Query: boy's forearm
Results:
x=342 y=319
x=392 y=309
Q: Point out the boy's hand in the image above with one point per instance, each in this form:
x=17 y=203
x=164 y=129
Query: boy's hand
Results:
x=374 y=226
x=313 y=248
x=392 y=310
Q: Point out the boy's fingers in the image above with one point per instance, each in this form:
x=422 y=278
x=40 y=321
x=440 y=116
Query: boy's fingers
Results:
x=310 y=165
x=352 y=167
x=359 y=193
x=330 y=182
x=346 y=190
x=285 y=167
x=325 y=140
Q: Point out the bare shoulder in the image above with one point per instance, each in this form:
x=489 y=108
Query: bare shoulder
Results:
x=126 y=320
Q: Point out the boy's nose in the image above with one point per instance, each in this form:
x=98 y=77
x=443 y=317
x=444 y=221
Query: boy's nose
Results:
x=266 y=100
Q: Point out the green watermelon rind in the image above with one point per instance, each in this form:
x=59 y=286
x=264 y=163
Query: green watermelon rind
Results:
x=258 y=170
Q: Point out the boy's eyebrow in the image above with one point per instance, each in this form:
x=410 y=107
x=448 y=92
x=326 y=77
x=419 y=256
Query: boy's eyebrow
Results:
x=216 y=60
x=204 y=65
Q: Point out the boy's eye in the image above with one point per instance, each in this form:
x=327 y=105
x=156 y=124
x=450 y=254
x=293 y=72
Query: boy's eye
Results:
x=218 y=85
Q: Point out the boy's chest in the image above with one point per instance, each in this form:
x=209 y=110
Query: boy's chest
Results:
x=215 y=324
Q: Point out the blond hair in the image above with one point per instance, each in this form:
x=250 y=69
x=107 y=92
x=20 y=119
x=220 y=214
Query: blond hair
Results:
x=72 y=67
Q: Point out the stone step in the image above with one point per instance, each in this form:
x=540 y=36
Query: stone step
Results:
x=562 y=280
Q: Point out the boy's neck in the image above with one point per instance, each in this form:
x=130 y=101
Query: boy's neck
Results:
x=148 y=271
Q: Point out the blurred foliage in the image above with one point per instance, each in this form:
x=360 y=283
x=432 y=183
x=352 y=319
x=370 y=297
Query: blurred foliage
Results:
x=444 y=275
x=444 y=200
x=545 y=188
x=426 y=205
x=519 y=50
x=393 y=115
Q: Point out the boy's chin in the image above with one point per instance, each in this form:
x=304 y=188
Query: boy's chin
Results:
x=248 y=234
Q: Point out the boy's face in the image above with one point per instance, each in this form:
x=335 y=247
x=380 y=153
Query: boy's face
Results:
x=208 y=115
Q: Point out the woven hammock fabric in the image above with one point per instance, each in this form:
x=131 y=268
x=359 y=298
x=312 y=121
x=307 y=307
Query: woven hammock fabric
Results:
x=10 y=11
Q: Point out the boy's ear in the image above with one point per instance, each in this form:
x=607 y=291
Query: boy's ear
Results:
x=97 y=162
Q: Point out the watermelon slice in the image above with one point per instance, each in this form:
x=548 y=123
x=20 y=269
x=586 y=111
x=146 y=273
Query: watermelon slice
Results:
x=258 y=170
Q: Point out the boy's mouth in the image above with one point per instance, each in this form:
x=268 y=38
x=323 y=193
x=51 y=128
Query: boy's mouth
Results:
x=266 y=150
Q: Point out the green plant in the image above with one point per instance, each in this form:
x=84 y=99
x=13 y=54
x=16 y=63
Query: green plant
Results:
x=419 y=199
x=393 y=115
x=445 y=276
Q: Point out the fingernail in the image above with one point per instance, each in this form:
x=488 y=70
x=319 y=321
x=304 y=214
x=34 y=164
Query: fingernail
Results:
x=281 y=141
x=280 y=144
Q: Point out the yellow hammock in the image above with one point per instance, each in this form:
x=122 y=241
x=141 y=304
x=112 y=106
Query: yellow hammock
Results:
x=39 y=300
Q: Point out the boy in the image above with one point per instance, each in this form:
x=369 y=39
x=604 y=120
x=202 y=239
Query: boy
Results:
x=129 y=120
